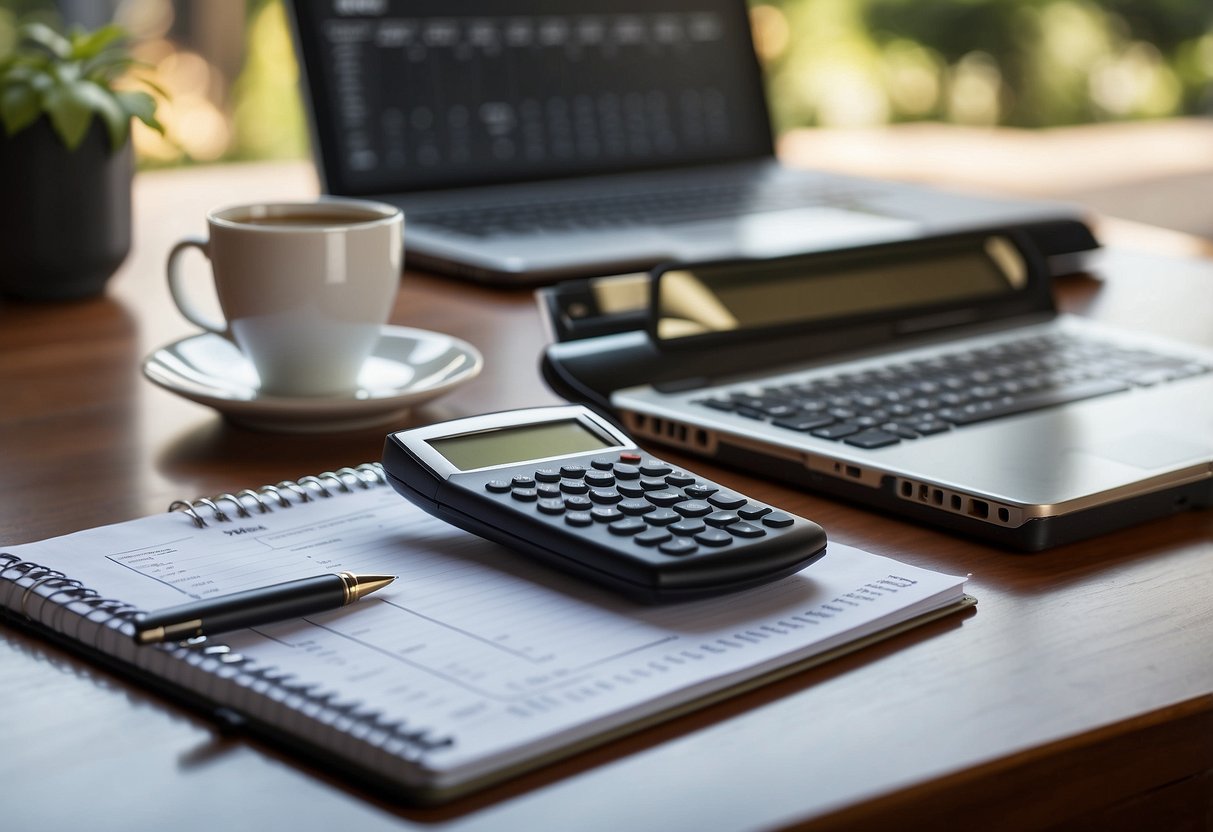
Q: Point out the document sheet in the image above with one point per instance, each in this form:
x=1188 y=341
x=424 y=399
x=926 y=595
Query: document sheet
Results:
x=484 y=656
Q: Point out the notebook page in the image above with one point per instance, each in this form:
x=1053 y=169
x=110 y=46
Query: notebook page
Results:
x=474 y=642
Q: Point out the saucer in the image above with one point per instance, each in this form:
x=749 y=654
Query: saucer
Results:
x=408 y=366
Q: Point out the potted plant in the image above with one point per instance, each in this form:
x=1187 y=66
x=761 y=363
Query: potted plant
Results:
x=65 y=160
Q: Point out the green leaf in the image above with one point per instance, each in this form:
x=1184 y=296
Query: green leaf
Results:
x=41 y=82
x=106 y=67
x=20 y=106
x=66 y=74
x=47 y=38
x=24 y=71
x=69 y=113
x=142 y=106
x=106 y=104
x=86 y=45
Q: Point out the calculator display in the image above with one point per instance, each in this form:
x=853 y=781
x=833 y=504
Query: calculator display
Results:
x=518 y=444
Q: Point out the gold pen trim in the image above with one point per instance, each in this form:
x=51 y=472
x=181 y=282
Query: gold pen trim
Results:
x=349 y=587
x=170 y=632
x=360 y=586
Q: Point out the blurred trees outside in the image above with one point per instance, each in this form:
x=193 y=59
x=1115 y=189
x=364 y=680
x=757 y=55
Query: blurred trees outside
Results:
x=1024 y=63
x=230 y=71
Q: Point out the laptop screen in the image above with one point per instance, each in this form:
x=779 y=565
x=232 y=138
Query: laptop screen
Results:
x=411 y=95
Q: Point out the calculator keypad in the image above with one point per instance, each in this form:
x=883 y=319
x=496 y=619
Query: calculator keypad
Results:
x=643 y=500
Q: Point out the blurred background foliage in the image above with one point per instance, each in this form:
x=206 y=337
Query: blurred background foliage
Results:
x=233 y=83
x=1025 y=63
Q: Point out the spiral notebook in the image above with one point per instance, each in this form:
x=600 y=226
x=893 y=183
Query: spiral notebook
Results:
x=475 y=665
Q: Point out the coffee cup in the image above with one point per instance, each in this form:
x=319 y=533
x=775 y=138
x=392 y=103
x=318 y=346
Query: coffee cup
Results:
x=304 y=287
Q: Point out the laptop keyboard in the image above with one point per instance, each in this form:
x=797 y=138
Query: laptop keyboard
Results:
x=694 y=204
x=881 y=407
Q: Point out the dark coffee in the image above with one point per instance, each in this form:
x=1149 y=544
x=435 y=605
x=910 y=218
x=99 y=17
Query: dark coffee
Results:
x=312 y=220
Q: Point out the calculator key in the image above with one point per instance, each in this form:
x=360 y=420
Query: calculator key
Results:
x=664 y=498
x=721 y=518
x=744 y=529
x=679 y=546
x=551 y=506
x=652 y=537
x=634 y=506
x=547 y=490
x=603 y=463
x=578 y=518
x=627 y=526
x=727 y=500
x=678 y=479
x=777 y=520
x=629 y=457
x=752 y=511
x=652 y=483
x=714 y=537
x=693 y=508
x=655 y=469
x=547 y=475
x=599 y=479
x=687 y=527
x=578 y=502
x=523 y=482
x=498 y=486
x=606 y=514
x=526 y=495
x=626 y=472
x=699 y=492
x=630 y=489
x=572 y=471
x=662 y=517
x=573 y=487
x=605 y=496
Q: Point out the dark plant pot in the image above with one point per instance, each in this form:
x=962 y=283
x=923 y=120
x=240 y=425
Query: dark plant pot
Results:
x=65 y=216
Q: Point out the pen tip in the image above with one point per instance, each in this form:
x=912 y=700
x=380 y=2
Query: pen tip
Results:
x=364 y=585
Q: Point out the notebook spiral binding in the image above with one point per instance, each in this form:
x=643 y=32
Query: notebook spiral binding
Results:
x=213 y=656
x=262 y=499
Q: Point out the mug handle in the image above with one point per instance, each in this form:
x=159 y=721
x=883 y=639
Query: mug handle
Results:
x=177 y=290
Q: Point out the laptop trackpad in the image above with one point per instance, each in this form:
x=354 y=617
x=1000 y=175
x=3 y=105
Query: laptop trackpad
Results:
x=1149 y=449
x=788 y=232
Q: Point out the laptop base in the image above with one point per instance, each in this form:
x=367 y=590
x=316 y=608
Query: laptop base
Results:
x=1032 y=536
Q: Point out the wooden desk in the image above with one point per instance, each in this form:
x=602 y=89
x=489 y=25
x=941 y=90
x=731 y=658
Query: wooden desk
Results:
x=1080 y=692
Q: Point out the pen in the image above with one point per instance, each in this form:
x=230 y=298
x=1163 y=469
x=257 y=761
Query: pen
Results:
x=256 y=606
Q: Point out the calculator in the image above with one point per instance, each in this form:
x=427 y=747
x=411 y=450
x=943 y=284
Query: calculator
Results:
x=566 y=486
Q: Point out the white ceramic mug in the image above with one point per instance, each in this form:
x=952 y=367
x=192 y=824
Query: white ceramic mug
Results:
x=304 y=287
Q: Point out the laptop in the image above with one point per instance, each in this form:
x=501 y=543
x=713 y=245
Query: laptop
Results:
x=529 y=142
x=933 y=379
